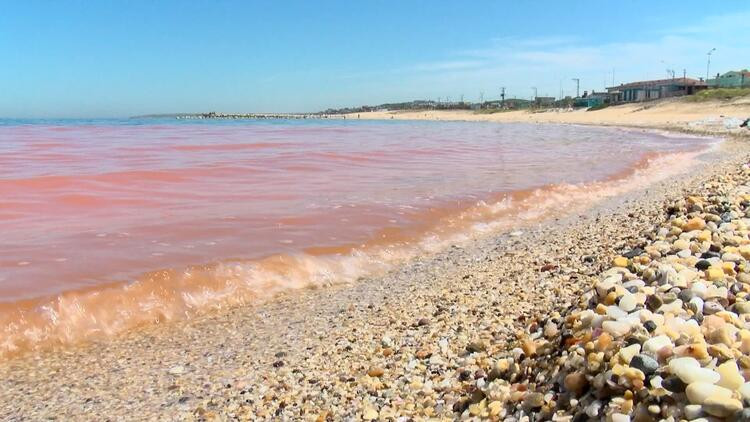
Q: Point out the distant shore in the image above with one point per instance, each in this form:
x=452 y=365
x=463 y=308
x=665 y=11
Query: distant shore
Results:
x=421 y=341
x=712 y=117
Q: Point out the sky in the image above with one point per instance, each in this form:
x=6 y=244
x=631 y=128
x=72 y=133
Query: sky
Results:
x=124 y=58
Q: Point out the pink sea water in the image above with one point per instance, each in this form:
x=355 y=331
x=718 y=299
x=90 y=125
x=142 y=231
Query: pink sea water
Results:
x=110 y=225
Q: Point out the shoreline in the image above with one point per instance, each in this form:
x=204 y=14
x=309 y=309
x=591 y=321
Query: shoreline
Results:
x=672 y=115
x=105 y=311
x=267 y=346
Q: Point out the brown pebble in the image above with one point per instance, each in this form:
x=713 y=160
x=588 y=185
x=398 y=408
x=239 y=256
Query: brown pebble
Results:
x=423 y=353
x=376 y=372
x=576 y=383
x=529 y=347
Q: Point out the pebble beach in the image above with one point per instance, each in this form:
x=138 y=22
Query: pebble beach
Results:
x=635 y=309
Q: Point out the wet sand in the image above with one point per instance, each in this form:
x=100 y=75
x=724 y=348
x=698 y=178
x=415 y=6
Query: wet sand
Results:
x=377 y=348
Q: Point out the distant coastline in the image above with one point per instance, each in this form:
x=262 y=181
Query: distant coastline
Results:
x=230 y=116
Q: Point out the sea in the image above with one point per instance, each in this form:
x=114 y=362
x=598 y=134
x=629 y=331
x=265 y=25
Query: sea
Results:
x=109 y=225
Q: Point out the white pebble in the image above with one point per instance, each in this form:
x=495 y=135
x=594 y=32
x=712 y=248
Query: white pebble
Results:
x=655 y=344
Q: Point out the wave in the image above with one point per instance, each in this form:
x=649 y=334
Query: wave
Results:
x=179 y=293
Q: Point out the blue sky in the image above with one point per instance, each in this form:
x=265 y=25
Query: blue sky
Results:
x=110 y=59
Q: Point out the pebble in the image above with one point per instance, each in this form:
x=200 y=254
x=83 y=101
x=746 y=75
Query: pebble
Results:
x=699 y=392
x=376 y=372
x=177 y=370
x=370 y=414
x=576 y=383
x=721 y=406
x=654 y=344
x=730 y=375
x=645 y=364
x=533 y=400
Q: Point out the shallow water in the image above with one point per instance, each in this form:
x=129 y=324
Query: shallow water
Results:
x=107 y=225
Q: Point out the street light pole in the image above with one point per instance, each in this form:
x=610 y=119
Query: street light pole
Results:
x=708 y=63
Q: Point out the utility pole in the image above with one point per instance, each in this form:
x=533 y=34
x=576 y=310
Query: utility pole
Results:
x=578 y=87
x=481 y=97
x=708 y=63
x=613 y=76
x=534 y=88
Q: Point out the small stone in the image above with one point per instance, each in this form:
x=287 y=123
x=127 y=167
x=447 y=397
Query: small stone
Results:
x=703 y=265
x=741 y=308
x=423 y=353
x=593 y=409
x=694 y=224
x=627 y=302
x=619 y=417
x=730 y=375
x=714 y=274
x=476 y=347
x=699 y=392
x=731 y=257
x=696 y=351
x=745 y=251
x=616 y=328
x=669 y=297
x=495 y=407
x=533 y=401
x=177 y=370
x=620 y=261
x=689 y=370
x=654 y=344
x=627 y=353
x=422 y=322
x=693 y=411
x=645 y=364
x=529 y=347
x=673 y=384
x=653 y=303
x=744 y=391
x=721 y=406
x=576 y=383
x=720 y=336
x=550 y=330
x=376 y=372
x=370 y=414
x=710 y=308
x=742 y=416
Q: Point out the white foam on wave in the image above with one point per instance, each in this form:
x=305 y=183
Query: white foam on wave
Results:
x=177 y=294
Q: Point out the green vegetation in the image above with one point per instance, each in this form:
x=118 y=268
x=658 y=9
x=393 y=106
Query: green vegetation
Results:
x=492 y=110
x=598 y=107
x=719 y=94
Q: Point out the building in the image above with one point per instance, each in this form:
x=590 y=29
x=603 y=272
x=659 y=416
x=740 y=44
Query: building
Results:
x=731 y=79
x=544 y=101
x=652 y=90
